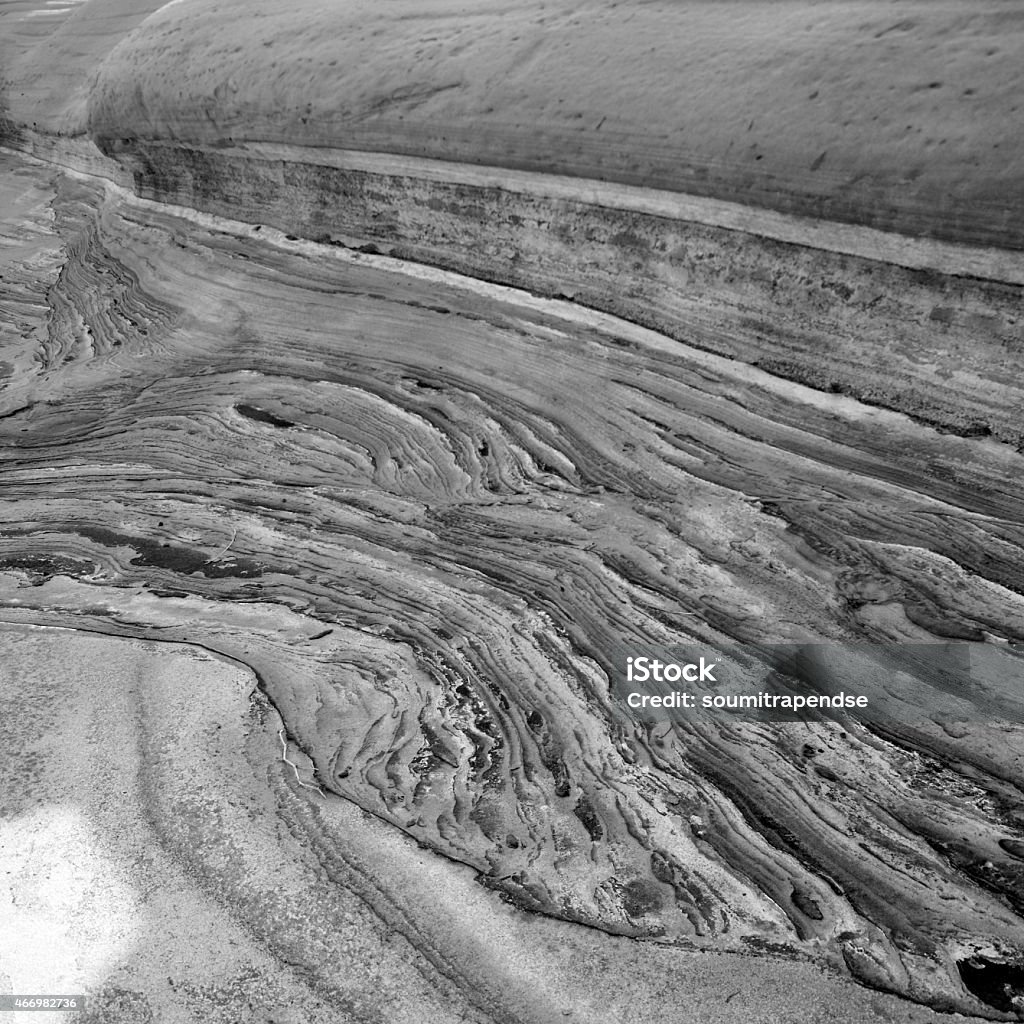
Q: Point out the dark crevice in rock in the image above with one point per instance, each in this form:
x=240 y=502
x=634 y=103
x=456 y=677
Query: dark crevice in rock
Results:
x=251 y=412
x=998 y=985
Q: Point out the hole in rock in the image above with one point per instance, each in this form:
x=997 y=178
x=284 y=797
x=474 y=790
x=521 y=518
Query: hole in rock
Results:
x=993 y=983
x=262 y=416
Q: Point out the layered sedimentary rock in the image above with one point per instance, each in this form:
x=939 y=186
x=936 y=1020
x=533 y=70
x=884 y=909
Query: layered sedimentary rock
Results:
x=260 y=411
x=925 y=328
x=165 y=853
x=901 y=115
x=897 y=115
x=425 y=511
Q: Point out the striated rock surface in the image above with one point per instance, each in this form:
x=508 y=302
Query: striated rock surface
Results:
x=901 y=115
x=426 y=511
x=425 y=445
x=928 y=329
x=165 y=854
x=904 y=115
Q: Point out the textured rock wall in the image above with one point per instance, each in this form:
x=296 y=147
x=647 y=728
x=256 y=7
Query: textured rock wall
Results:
x=942 y=347
x=427 y=513
x=903 y=115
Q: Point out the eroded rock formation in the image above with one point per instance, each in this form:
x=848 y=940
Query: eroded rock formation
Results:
x=426 y=447
x=426 y=511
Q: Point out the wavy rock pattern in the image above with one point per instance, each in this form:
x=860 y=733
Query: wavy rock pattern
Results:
x=807 y=312
x=427 y=512
x=189 y=865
